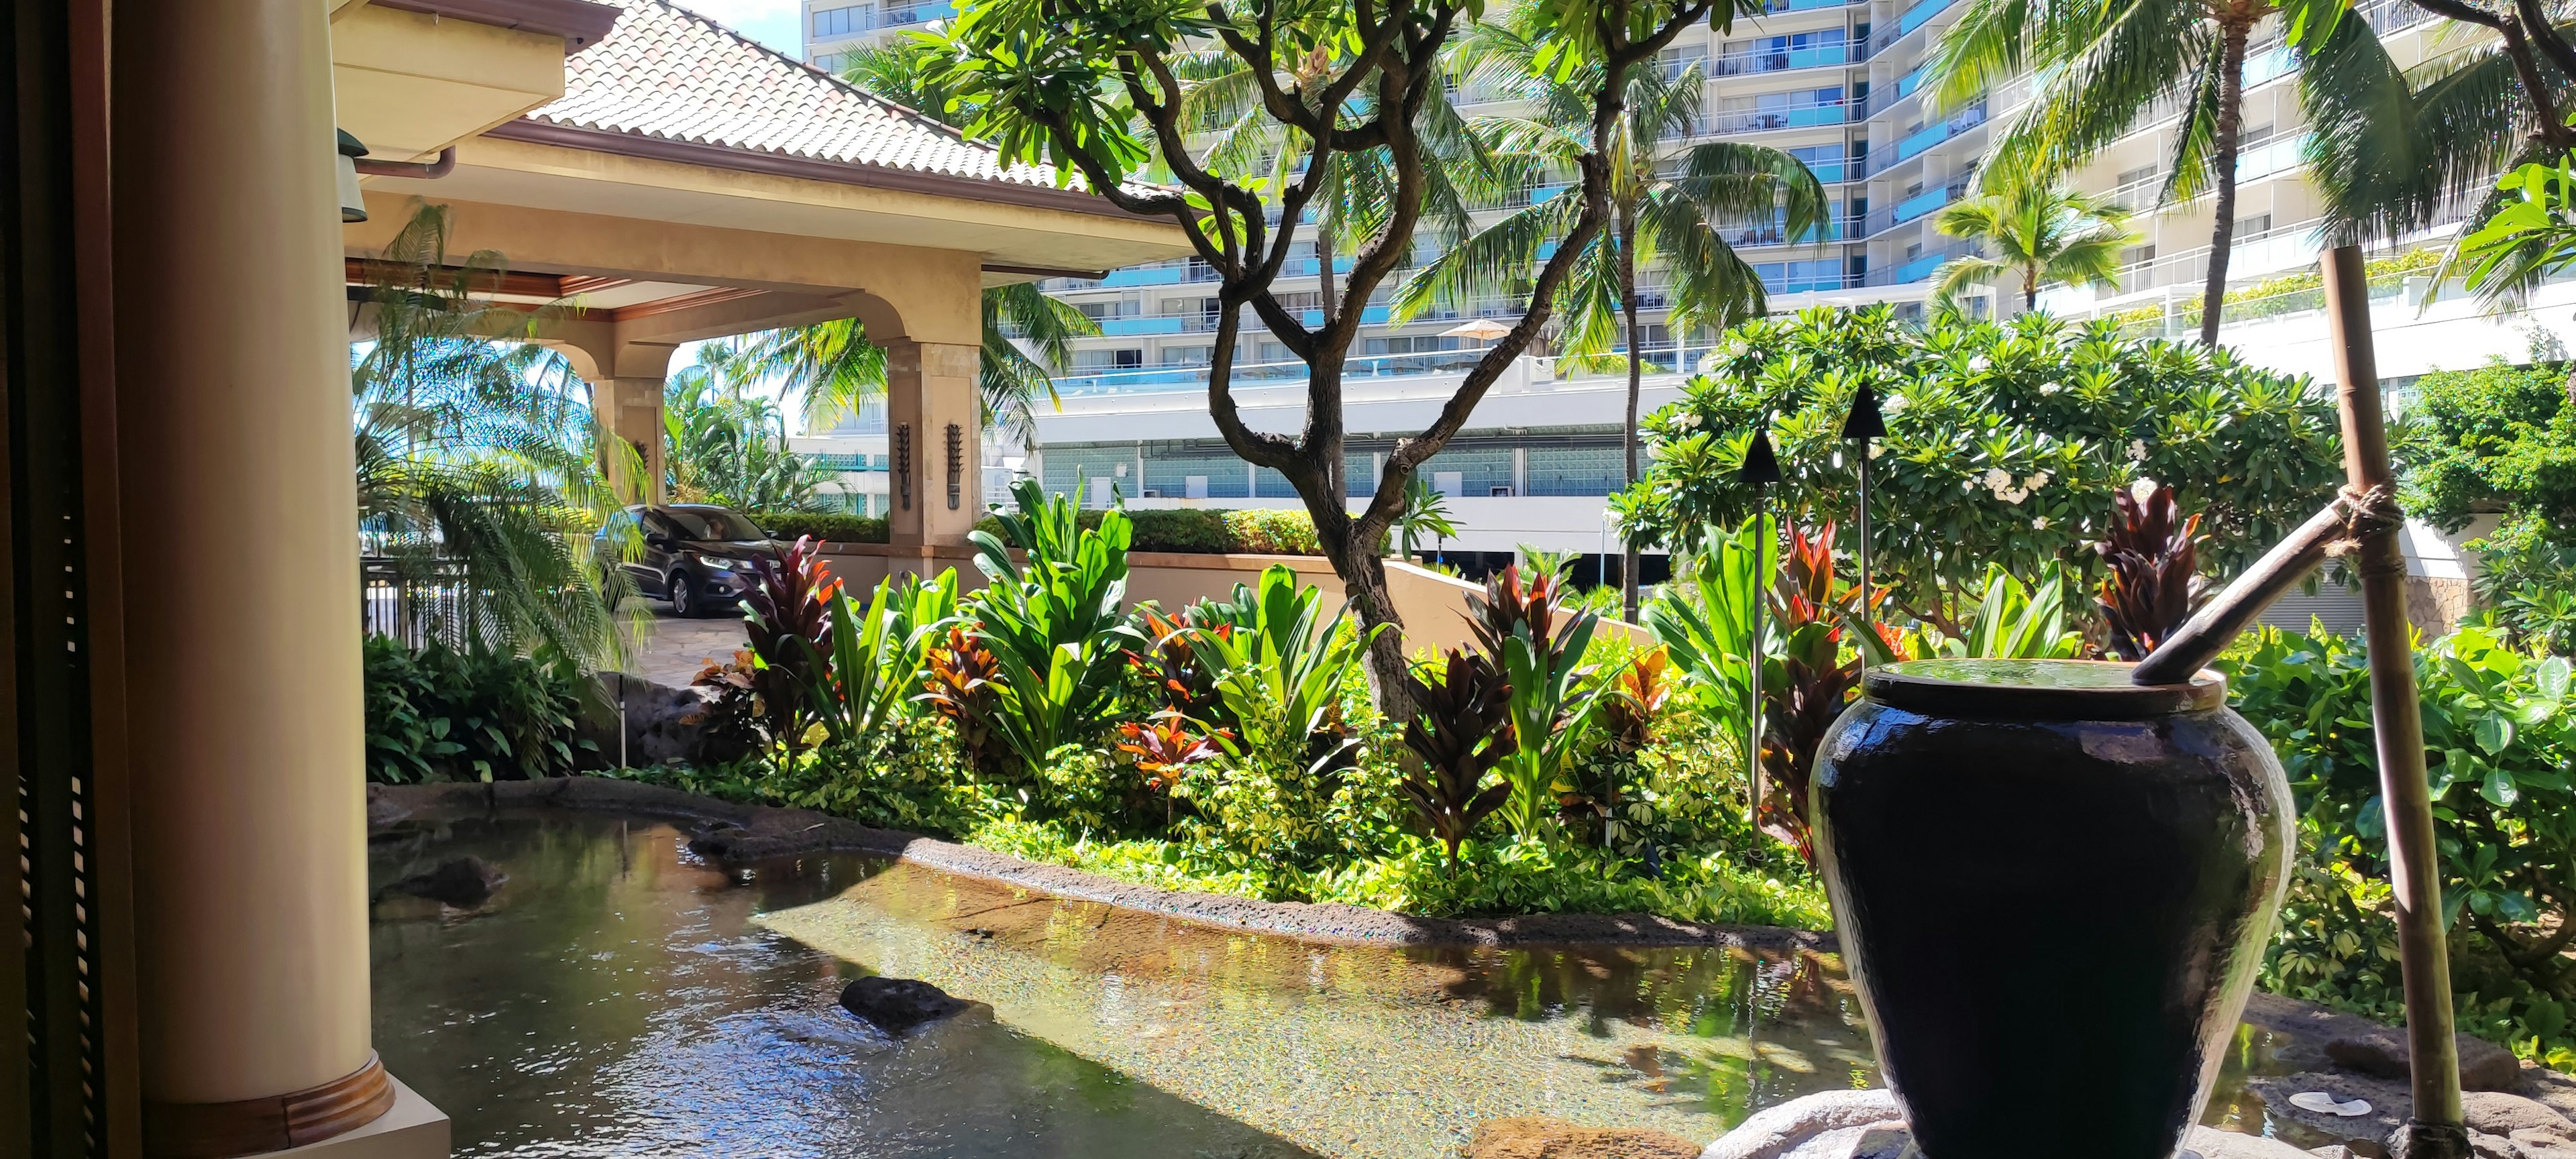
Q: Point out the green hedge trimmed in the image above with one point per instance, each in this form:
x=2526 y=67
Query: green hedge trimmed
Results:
x=1212 y=530
x=826 y=526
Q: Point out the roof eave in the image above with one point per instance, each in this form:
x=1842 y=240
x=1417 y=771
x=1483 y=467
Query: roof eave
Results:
x=717 y=156
x=579 y=22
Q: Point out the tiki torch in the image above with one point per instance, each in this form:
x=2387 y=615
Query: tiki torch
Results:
x=1761 y=469
x=1862 y=425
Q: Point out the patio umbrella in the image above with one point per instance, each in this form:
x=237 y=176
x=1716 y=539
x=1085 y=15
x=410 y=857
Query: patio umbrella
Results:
x=1482 y=330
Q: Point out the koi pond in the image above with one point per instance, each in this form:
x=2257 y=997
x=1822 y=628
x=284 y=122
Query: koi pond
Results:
x=620 y=996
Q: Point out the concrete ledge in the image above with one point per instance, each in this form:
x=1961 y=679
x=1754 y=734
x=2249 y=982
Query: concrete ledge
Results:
x=413 y=1129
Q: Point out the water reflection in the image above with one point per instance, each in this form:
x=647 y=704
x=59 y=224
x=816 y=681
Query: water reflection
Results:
x=618 y=997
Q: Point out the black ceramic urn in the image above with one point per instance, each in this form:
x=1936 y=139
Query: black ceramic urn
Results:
x=2053 y=889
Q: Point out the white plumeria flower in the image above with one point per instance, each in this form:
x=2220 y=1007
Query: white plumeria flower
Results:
x=2142 y=490
x=2039 y=524
x=1893 y=405
x=1979 y=363
x=1875 y=450
x=2014 y=496
x=2137 y=450
x=2050 y=388
x=1996 y=479
x=1687 y=420
x=2037 y=481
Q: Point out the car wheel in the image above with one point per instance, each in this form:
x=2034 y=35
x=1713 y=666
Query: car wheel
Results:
x=684 y=596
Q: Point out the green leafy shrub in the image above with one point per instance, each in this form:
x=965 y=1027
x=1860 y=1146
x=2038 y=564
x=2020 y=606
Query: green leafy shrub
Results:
x=1056 y=622
x=2502 y=439
x=1208 y=530
x=2500 y=738
x=823 y=526
x=2005 y=443
x=479 y=714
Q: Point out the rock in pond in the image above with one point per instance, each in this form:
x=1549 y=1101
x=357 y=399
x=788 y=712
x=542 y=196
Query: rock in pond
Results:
x=2380 y=1051
x=895 y=1005
x=1538 y=1137
x=1869 y=1125
x=464 y=883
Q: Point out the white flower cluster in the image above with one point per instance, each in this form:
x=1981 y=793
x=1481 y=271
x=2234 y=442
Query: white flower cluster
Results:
x=1687 y=420
x=2050 y=388
x=2143 y=490
x=2000 y=483
x=2137 y=450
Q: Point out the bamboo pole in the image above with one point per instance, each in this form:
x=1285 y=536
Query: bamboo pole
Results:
x=2436 y=1131
x=2218 y=622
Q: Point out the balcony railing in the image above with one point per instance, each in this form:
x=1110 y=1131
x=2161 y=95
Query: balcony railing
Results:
x=1782 y=60
x=1921 y=140
x=1920 y=205
x=1919 y=267
x=1763 y=120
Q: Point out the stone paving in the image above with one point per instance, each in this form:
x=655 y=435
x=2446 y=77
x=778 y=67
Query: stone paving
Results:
x=669 y=650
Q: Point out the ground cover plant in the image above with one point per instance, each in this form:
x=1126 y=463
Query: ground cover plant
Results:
x=440 y=713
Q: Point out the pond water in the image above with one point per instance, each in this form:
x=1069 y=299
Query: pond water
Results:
x=618 y=996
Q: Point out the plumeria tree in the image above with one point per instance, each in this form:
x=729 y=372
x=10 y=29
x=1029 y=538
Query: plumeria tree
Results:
x=2005 y=444
x=1097 y=88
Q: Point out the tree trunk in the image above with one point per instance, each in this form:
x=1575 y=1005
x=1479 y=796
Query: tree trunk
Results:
x=1355 y=557
x=2030 y=289
x=2231 y=119
x=1626 y=241
x=1326 y=289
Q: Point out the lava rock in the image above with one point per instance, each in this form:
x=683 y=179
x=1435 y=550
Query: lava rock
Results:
x=1538 y=1137
x=2496 y=1113
x=2205 y=1143
x=465 y=883
x=662 y=724
x=1777 y=1132
x=2380 y=1051
x=895 y=1005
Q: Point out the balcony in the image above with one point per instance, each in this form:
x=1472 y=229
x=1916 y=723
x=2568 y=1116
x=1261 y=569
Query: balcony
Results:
x=1782 y=60
x=1764 y=120
x=1920 y=205
x=1922 y=140
x=1920 y=267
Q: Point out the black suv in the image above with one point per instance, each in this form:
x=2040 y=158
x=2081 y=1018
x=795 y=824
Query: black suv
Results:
x=696 y=555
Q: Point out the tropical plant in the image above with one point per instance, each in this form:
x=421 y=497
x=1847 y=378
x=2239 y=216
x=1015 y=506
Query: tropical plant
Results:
x=1805 y=687
x=478 y=465
x=2500 y=441
x=1093 y=87
x=2037 y=232
x=438 y=713
x=1274 y=657
x=2152 y=579
x=1056 y=624
x=1596 y=804
x=878 y=650
x=2500 y=731
x=2098 y=71
x=1666 y=202
x=1171 y=664
x=1462 y=732
x=2005 y=444
x=1523 y=628
x=1425 y=514
x=2012 y=621
x=786 y=615
x=960 y=682
x=728 y=447
x=1704 y=622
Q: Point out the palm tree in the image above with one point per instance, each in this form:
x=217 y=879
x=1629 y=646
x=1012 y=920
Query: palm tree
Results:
x=2098 y=70
x=2038 y=231
x=2392 y=152
x=728 y=446
x=477 y=451
x=1663 y=202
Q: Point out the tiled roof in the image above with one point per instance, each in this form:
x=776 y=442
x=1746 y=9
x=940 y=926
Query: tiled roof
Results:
x=666 y=73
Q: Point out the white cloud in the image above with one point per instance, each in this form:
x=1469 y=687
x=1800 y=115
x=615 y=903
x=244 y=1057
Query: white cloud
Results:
x=771 y=22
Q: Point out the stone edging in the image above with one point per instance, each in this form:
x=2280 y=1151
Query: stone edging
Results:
x=750 y=832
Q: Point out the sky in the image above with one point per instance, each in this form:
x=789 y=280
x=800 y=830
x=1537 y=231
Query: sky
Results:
x=771 y=22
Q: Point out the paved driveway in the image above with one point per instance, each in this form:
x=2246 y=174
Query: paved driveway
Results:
x=669 y=650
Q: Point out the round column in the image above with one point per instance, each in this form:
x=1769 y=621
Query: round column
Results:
x=235 y=453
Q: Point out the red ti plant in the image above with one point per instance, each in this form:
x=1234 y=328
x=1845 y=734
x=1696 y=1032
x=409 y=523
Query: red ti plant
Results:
x=1806 y=687
x=1462 y=731
x=2154 y=581
x=1186 y=684
x=958 y=678
x=1163 y=750
x=787 y=617
x=1636 y=697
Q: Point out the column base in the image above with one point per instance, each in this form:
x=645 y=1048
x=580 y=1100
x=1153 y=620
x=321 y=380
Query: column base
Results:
x=413 y=1129
x=271 y=1125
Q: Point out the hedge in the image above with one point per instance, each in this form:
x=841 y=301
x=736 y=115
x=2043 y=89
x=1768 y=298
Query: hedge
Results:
x=827 y=526
x=1212 y=530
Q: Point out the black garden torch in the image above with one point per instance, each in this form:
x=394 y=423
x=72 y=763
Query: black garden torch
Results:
x=1862 y=426
x=1761 y=469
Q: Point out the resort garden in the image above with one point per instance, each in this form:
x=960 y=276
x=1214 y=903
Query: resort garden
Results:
x=2042 y=490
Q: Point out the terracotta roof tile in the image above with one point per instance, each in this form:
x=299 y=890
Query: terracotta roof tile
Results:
x=669 y=73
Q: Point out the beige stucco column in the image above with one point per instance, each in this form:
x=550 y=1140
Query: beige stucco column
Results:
x=634 y=409
x=234 y=450
x=931 y=406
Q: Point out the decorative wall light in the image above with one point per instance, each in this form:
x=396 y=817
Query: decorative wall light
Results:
x=903 y=464
x=956 y=462
x=353 y=204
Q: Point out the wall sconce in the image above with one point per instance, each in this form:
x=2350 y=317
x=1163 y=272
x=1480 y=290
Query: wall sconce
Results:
x=903 y=463
x=956 y=462
x=353 y=204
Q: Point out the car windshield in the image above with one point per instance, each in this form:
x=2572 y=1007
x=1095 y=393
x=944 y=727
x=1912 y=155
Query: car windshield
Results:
x=712 y=523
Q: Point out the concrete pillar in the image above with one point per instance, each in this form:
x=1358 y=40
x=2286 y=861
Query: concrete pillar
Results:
x=634 y=409
x=931 y=404
x=234 y=453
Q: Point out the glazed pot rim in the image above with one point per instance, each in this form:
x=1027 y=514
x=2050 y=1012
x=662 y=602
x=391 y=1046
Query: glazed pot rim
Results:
x=2037 y=690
